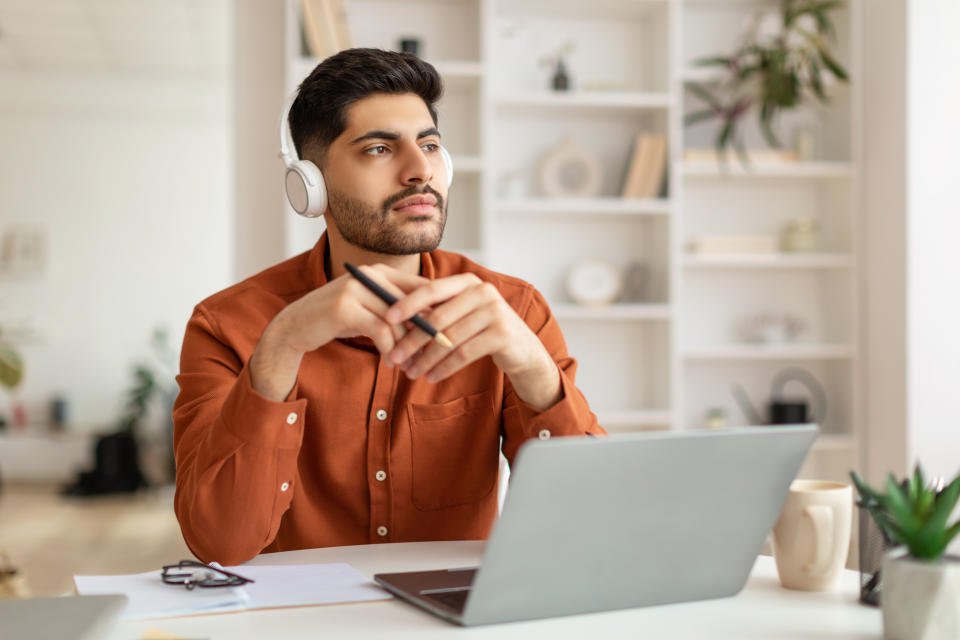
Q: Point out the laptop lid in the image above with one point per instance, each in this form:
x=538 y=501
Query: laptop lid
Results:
x=633 y=520
x=75 y=617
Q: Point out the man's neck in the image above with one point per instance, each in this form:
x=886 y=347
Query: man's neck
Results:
x=340 y=251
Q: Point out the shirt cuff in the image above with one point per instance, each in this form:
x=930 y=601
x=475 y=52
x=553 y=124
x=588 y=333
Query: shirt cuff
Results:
x=569 y=416
x=261 y=422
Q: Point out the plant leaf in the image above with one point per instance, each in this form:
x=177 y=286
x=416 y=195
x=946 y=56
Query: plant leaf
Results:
x=706 y=96
x=713 y=61
x=899 y=507
x=699 y=116
x=766 y=119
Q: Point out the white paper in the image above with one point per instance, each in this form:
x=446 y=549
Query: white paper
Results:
x=273 y=586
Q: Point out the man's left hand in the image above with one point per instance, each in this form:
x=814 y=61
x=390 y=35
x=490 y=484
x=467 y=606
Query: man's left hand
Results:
x=479 y=322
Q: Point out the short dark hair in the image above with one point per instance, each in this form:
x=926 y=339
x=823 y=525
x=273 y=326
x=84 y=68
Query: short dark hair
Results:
x=318 y=114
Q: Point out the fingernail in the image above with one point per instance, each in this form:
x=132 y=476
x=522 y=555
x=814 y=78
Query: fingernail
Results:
x=413 y=373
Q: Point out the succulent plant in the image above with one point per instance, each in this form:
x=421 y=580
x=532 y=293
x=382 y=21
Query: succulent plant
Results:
x=913 y=513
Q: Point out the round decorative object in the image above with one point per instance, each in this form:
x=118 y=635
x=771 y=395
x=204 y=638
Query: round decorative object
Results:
x=594 y=282
x=569 y=171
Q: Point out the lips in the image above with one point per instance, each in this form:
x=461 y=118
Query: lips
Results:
x=422 y=204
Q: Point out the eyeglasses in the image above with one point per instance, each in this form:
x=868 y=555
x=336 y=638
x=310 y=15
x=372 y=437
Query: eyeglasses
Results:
x=191 y=573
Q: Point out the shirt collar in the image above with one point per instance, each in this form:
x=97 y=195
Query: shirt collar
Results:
x=320 y=250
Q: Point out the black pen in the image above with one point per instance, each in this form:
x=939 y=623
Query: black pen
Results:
x=386 y=296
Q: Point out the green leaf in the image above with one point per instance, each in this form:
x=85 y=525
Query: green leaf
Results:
x=951 y=533
x=945 y=504
x=724 y=136
x=699 y=116
x=833 y=65
x=713 y=61
x=706 y=96
x=766 y=120
x=899 y=507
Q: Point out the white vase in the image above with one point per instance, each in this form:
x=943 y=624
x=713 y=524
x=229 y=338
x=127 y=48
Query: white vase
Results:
x=921 y=598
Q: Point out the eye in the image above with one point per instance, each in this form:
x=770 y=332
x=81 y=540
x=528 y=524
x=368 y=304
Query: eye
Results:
x=430 y=147
x=378 y=150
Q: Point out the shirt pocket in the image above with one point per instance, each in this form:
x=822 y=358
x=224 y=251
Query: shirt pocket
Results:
x=454 y=451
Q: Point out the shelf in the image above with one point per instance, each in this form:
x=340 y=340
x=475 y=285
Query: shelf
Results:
x=785 y=170
x=623 y=420
x=593 y=9
x=448 y=69
x=772 y=352
x=770 y=261
x=613 y=312
x=703 y=75
x=586 y=99
x=585 y=206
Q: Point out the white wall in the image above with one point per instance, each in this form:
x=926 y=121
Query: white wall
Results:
x=933 y=234
x=129 y=177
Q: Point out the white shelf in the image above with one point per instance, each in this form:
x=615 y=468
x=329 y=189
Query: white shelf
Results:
x=612 y=312
x=769 y=261
x=458 y=68
x=585 y=206
x=586 y=99
x=703 y=75
x=772 y=352
x=786 y=170
x=632 y=419
x=592 y=9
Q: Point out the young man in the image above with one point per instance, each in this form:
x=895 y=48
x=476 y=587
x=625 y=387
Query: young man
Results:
x=310 y=414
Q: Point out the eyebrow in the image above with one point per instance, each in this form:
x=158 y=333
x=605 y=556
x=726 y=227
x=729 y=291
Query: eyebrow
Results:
x=380 y=134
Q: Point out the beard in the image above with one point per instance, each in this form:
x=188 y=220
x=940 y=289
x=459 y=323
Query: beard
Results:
x=372 y=230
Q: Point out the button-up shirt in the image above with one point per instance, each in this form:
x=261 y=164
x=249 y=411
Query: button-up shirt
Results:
x=357 y=453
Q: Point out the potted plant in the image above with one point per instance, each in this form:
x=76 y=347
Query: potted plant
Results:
x=785 y=60
x=921 y=582
x=11 y=367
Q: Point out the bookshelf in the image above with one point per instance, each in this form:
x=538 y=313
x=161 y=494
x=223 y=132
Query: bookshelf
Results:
x=665 y=361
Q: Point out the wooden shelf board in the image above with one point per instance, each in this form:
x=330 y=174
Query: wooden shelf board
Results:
x=770 y=261
x=613 y=312
x=585 y=206
x=772 y=352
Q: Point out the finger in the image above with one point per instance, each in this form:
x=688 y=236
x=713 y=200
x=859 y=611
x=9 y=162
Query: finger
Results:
x=477 y=347
x=463 y=331
x=429 y=295
x=443 y=317
x=379 y=274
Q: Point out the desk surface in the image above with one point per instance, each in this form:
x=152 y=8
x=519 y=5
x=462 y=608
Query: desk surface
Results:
x=763 y=610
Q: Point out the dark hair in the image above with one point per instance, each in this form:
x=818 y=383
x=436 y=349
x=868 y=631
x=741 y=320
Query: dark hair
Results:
x=318 y=115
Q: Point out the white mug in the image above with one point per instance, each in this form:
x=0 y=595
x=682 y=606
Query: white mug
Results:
x=812 y=535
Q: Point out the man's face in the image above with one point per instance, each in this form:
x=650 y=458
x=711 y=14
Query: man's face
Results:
x=386 y=181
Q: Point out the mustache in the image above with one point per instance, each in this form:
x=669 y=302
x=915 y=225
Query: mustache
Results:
x=406 y=193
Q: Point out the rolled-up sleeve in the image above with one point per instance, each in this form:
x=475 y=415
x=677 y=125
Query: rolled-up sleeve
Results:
x=236 y=451
x=571 y=414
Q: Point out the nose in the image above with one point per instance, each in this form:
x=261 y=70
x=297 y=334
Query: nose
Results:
x=417 y=166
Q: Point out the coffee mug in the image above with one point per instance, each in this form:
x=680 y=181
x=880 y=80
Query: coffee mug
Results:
x=811 y=538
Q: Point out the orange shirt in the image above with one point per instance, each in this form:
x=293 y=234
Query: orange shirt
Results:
x=357 y=453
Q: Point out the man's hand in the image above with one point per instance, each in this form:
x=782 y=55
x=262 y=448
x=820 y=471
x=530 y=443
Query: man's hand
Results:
x=479 y=322
x=342 y=308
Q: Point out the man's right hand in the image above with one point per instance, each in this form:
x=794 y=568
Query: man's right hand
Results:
x=342 y=308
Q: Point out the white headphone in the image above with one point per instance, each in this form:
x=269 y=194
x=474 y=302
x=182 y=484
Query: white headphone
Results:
x=303 y=182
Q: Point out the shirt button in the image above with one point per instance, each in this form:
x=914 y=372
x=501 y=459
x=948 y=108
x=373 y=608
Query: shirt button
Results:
x=381 y=415
x=284 y=486
x=291 y=418
x=381 y=475
x=544 y=434
x=381 y=531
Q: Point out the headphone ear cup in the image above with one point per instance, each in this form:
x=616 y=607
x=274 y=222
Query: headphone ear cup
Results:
x=306 y=190
x=448 y=163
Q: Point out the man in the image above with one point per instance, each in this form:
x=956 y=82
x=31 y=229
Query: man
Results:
x=310 y=414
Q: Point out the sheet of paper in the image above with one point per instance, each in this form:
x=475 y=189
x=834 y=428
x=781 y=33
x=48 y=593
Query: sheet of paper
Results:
x=273 y=586
x=151 y=598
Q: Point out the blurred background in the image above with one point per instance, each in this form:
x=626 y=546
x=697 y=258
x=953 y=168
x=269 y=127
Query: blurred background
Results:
x=724 y=240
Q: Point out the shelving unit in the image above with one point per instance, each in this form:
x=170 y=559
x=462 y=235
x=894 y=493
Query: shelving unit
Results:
x=664 y=362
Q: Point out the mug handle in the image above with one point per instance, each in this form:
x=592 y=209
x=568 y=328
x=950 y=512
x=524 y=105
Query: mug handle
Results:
x=822 y=518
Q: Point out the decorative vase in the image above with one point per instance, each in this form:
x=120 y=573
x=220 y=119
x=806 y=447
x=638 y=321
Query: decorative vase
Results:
x=921 y=598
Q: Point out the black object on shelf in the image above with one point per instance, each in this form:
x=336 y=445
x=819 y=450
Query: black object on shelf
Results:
x=561 y=81
x=873 y=545
x=410 y=45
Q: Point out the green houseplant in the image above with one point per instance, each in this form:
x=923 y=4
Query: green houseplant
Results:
x=785 y=60
x=921 y=582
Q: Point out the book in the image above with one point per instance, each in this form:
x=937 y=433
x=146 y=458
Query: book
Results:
x=655 y=168
x=647 y=167
x=325 y=27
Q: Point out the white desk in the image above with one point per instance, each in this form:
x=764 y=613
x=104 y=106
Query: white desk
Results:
x=763 y=610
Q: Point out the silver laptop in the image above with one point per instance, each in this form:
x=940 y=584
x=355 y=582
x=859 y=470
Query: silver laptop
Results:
x=75 y=617
x=631 y=520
